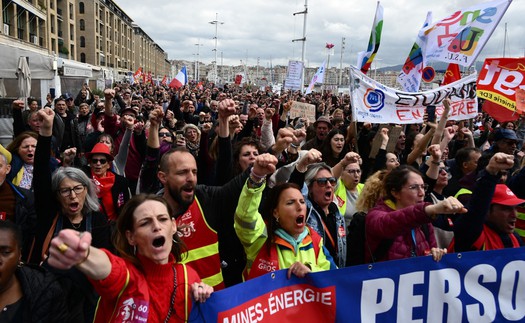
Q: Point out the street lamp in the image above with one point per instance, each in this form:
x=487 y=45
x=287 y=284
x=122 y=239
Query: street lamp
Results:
x=197 y=61
x=216 y=22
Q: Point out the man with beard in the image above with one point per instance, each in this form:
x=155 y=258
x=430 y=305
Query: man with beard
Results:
x=204 y=213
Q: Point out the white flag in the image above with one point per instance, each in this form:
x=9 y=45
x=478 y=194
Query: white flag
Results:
x=318 y=78
x=460 y=37
x=410 y=76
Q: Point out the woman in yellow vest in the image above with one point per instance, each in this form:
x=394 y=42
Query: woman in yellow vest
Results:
x=348 y=186
x=283 y=240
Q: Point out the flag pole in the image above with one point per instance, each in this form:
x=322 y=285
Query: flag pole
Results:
x=490 y=35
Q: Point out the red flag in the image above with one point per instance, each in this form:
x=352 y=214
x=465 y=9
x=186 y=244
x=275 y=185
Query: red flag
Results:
x=497 y=84
x=164 y=80
x=520 y=101
x=138 y=75
x=452 y=74
x=149 y=79
x=238 y=79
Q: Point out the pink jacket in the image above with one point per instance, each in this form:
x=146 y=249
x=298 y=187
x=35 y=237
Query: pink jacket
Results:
x=385 y=222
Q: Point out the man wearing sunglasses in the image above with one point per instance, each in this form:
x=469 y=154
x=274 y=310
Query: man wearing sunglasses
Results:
x=322 y=213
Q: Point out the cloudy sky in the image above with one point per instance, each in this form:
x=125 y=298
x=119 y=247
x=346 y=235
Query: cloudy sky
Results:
x=264 y=29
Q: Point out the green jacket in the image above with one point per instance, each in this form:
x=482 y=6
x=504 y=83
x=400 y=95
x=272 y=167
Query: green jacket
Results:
x=252 y=232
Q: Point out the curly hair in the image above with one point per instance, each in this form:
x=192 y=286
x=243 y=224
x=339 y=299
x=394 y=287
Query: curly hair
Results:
x=372 y=191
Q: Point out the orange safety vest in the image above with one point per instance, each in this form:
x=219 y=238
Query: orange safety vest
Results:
x=203 y=245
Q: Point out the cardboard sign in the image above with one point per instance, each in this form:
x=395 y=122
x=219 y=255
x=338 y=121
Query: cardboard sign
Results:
x=303 y=110
x=393 y=136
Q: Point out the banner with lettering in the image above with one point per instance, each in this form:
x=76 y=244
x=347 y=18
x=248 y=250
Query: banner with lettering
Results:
x=377 y=103
x=499 y=82
x=460 y=37
x=484 y=286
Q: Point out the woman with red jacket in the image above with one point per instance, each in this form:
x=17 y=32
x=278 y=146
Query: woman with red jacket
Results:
x=148 y=282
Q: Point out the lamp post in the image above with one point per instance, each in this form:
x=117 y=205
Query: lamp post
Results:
x=303 y=40
x=216 y=22
x=197 y=61
x=341 y=62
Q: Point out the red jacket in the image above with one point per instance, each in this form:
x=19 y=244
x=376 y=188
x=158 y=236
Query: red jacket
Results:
x=129 y=294
x=385 y=222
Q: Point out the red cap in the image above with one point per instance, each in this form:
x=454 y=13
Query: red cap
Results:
x=504 y=196
x=100 y=148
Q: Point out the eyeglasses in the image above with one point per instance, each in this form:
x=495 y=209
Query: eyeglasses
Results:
x=416 y=187
x=354 y=171
x=323 y=180
x=444 y=169
x=65 y=192
x=164 y=134
x=102 y=161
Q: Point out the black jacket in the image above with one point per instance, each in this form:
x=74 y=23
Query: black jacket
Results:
x=44 y=299
x=25 y=217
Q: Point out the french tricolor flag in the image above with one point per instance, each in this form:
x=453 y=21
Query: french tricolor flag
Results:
x=180 y=80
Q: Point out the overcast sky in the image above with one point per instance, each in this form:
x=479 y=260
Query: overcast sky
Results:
x=264 y=29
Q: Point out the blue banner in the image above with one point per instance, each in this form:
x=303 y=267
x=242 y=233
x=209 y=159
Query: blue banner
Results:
x=481 y=286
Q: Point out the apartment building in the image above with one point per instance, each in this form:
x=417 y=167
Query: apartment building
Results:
x=98 y=33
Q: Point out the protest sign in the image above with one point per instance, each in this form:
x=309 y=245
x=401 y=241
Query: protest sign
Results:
x=303 y=110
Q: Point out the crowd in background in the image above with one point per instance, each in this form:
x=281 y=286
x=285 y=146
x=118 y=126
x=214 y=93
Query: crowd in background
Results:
x=147 y=188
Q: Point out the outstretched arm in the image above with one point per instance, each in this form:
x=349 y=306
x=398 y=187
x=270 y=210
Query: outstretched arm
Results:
x=73 y=249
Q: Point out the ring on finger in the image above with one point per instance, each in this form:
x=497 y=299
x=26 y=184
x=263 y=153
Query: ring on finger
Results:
x=62 y=248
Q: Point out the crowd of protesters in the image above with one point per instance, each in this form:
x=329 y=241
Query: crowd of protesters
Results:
x=119 y=199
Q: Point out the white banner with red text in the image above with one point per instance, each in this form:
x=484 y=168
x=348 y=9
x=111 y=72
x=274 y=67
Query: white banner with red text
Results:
x=378 y=103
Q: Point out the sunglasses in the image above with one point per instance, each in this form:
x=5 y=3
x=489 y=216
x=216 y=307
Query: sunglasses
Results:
x=102 y=161
x=323 y=180
x=164 y=134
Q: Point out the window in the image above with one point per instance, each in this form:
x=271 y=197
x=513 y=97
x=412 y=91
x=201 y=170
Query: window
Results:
x=81 y=7
x=82 y=24
x=82 y=41
x=82 y=57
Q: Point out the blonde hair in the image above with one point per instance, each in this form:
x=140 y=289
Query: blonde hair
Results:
x=372 y=191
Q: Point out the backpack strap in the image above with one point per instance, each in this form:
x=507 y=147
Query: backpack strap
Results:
x=186 y=286
x=50 y=234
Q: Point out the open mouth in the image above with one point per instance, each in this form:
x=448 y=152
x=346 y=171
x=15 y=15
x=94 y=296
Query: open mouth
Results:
x=328 y=194
x=159 y=242
x=300 y=219
x=188 y=189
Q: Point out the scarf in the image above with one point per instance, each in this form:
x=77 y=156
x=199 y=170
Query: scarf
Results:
x=291 y=240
